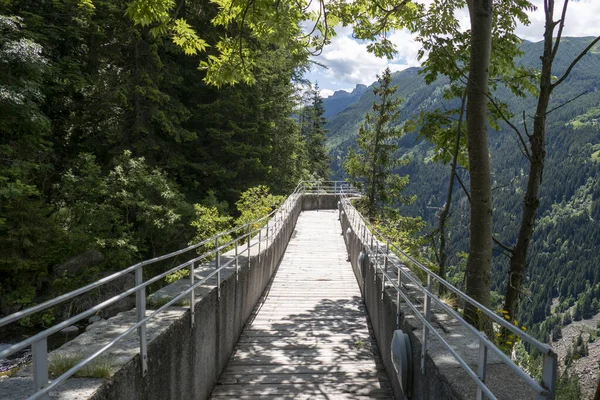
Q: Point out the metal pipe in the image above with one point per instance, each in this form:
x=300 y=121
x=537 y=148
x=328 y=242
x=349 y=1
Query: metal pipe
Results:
x=482 y=368
x=192 y=299
x=140 y=306
x=237 y=264
x=218 y=267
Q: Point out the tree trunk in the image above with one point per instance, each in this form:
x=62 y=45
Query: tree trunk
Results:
x=480 y=240
x=518 y=262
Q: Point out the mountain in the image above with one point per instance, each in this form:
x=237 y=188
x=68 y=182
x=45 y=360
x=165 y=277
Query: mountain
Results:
x=342 y=99
x=565 y=255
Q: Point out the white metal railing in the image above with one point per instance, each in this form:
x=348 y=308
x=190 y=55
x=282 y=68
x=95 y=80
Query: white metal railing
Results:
x=381 y=248
x=268 y=228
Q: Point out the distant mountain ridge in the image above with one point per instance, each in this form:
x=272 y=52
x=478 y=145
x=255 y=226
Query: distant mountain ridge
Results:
x=341 y=99
x=565 y=252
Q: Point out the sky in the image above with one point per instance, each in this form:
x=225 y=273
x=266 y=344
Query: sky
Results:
x=349 y=63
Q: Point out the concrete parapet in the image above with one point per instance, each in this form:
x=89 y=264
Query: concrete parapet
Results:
x=443 y=378
x=319 y=201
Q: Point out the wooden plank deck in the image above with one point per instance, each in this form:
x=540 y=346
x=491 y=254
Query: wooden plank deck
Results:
x=308 y=337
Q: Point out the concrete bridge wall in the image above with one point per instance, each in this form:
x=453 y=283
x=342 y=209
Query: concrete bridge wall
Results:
x=444 y=378
x=382 y=313
x=185 y=362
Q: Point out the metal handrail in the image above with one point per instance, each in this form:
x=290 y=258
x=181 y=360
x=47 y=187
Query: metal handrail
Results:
x=545 y=390
x=272 y=224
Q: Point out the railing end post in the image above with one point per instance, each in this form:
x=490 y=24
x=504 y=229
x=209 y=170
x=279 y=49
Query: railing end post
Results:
x=192 y=295
x=39 y=352
x=549 y=374
x=482 y=367
x=140 y=305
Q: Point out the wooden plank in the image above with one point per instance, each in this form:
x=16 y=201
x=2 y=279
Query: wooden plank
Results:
x=308 y=338
x=362 y=368
x=295 y=378
x=305 y=388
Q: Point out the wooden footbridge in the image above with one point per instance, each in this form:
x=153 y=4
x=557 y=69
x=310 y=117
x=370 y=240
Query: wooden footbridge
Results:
x=309 y=302
x=308 y=337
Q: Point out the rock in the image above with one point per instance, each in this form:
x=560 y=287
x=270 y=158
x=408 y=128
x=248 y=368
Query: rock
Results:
x=94 y=318
x=70 y=330
x=80 y=262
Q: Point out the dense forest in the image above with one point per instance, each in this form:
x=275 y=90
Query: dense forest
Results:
x=109 y=136
x=131 y=128
x=563 y=262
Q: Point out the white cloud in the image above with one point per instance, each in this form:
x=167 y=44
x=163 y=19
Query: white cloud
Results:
x=349 y=62
x=581 y=20
x=326 y=93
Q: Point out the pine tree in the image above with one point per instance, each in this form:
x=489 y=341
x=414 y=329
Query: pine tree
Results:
x=371 y=167
x=315 y=134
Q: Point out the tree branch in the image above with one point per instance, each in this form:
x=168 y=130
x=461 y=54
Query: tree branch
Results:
x=560 y=29
x=565 y=103
x=503 y=186
x=517 y=131
x=525 y=126
x=497 y=241
x=503 y=246
x=575 y=61
x=463 y=187
x=526 y=150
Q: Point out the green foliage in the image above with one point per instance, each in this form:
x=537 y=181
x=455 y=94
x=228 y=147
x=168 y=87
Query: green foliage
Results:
x=505 y=339
x=404 y=232
x=562 y=258
x=109 y=135
x=370 y=168
x=255 y=203
x=132 y=209
x=174 y=277
x=568 y=386
x=28 y=236
x=207 y=223
x=314 y=134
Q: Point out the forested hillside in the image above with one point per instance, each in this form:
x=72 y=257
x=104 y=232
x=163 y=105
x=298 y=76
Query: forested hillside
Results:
x=564 y=258
x=109 y=136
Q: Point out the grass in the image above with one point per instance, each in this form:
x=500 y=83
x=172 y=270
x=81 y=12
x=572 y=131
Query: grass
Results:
x=156 y=302
x=451 y=300
x=10 y=372
x=100 y=368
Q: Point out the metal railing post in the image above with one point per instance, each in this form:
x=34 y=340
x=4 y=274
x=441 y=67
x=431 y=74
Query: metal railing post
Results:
x=192 y=296
x=249 y=234
x=376 y=262
x=259 y=240
x=382 y=275
x=482 y=368
x=399 y=283
x=387 y=254
x=427 y=315
x=237 y=264
x=140 y=305
x=39 y=352
x=218 y=267
x=549 y=375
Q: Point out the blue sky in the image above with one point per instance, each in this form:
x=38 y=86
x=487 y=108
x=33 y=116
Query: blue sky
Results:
x=349 y=63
